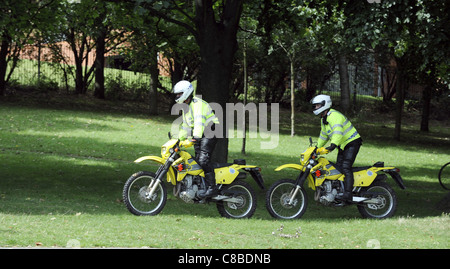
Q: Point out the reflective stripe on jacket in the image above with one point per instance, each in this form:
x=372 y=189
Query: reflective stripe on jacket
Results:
x=196 y=119
x=339 y=130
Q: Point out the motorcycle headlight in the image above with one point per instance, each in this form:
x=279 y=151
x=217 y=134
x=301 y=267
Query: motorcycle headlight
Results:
x=163 y=151
x=302 y=158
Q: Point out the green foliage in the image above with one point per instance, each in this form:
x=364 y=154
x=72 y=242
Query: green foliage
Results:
x=118 y=88
x=413 y=30
x=312 y=32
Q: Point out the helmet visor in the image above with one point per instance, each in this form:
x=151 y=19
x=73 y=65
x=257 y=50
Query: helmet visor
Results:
x=178 y=95
x=316 y=106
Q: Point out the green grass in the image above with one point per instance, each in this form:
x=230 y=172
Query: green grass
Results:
x=62 y=173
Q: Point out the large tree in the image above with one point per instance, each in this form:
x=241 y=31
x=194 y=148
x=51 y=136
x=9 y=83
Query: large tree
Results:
x=413 y=33
x=214 y=24
x=21 y=23
x=111 y=23
x=87 y=27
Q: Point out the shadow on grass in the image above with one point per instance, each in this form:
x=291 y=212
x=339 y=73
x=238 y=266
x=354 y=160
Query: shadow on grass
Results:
x=377 y=134
x=37 y=183
x=84 y=106
x=45 y=177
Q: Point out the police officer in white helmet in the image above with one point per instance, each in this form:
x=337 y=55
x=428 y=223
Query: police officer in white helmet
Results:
x=337 y=129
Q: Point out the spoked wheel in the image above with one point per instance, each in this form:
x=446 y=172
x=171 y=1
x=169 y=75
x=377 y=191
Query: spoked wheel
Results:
x=279 y=203
x=244 y=204
x=444 y=176
x=136 y=195
x=385 y=205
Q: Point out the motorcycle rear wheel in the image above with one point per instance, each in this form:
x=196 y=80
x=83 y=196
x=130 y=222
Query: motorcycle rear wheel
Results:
x=387 y=202
x=135 y=195
x=277 y=200
x=246 y=206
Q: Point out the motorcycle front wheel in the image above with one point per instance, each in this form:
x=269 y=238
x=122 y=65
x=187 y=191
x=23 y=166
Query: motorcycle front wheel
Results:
x=386 y=205
x=246 y=201
x=278 y=200
x=136 y=195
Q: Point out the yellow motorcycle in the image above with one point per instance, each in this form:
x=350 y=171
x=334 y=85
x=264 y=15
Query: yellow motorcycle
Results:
x=145 y=193
x=286 y=198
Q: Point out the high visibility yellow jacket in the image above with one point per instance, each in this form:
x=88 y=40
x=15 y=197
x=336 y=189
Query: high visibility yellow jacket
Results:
x=196 y=119
x=339 y=130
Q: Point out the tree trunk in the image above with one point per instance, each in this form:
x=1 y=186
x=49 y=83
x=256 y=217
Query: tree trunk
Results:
x=344 y=83
x=218 y=44
x=311 y=85
x=79 y=81
x=400 y=98
x=427 y=94
x=292 y=98
x=245 y=96
x=99 y=91
x=78 y=58
x=426 y=100
x=154 y=81
x=213 y=85
x=3 y=64
x=176 y=73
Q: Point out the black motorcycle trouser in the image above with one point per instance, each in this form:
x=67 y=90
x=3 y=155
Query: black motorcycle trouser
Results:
x=203 y=150
x=345 y=160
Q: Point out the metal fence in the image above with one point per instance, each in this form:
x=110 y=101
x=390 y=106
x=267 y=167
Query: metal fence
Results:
x=123 y=83
x=31 y=72
x=37 y=67
x=363 y=82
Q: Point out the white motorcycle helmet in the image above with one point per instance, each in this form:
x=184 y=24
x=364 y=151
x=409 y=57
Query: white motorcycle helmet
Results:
x=323 y=100
x=182 y=90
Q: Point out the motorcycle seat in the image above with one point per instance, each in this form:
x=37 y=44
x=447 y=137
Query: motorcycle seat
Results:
x=357 y=169
x=219 y=165
x=377 y=164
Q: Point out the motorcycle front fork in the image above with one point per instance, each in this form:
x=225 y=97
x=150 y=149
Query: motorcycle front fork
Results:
x=294 y=194
x=162 y=171
x=152 y=187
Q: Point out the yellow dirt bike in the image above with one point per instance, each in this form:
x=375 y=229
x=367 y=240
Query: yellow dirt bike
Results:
x=286 y=198
x=145 y=193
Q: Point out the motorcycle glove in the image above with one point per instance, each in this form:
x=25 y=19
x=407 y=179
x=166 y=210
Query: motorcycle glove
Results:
x=331 y=148
x=187 y=143
x=322 y=151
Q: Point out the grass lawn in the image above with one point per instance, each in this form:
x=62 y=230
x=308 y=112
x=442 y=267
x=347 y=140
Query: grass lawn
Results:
x=62 y=173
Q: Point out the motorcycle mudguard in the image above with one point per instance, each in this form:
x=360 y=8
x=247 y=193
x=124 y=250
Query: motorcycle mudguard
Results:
x=396 y=177
x=290 y=165
x=256 y=175
x=298 y=167
x=170 y=173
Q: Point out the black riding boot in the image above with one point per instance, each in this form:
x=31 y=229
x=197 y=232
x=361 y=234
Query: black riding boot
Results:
x=348 y=187
x=211 y=188
x=345 y=160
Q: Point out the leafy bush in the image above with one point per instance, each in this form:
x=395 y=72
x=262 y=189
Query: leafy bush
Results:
x=118 y=88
